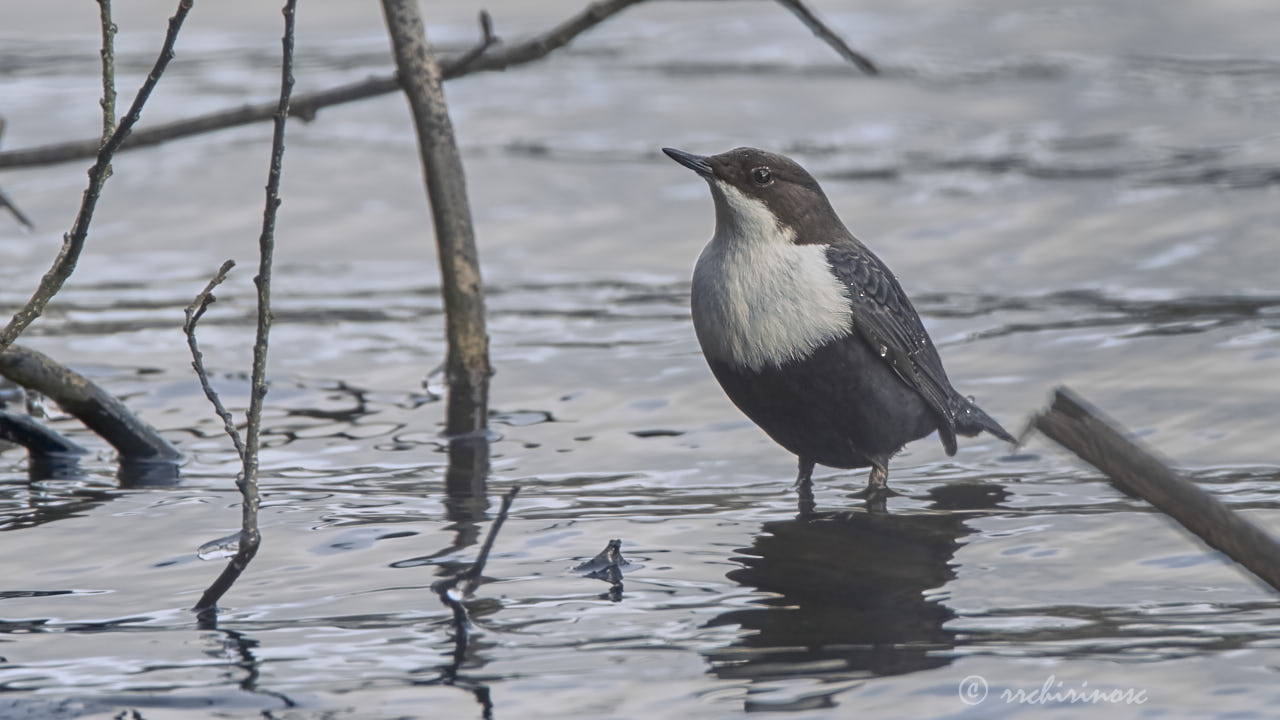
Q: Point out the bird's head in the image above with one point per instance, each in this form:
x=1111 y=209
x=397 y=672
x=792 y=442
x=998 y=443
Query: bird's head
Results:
x=761 y=193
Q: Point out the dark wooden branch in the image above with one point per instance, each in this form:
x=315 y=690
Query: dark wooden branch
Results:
x=304 y=108
x=36 y=438
x=830 y=37
x=487 y=40
x=73 y=242
x=542 y=45
x=99 y=410
x=250 y=537
x=1085 y=431
x=467 y=354
x=485 y=57
x=447 y=589
x=193 y=313
x=472 y=575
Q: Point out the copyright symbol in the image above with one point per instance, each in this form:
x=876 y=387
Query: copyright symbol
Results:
x=973 y=690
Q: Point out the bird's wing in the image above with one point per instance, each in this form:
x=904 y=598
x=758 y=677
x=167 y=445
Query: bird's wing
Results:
x=884 y=317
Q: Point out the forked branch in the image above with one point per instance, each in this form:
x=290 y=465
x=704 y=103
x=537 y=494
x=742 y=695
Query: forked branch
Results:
x=250 y=537
x=73 y=242
x=488 y=55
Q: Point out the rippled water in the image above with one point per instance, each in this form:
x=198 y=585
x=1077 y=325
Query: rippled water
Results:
x=1081 y=194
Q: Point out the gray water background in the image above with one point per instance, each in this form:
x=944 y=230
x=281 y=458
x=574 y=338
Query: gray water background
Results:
x=1079 y=193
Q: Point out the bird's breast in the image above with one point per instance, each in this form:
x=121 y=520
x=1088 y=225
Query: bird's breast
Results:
x=763 y=301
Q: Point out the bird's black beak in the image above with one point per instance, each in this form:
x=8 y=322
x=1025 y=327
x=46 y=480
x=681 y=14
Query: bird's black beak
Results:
x=697 y=163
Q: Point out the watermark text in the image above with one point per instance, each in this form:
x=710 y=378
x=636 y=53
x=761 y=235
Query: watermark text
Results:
x=974 y=690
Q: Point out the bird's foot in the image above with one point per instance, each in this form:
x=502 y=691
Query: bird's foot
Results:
x=877 y=491
x=868 y=493
x=804 y=490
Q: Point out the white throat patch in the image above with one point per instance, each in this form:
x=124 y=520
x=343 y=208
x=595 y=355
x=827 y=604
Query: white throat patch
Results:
x=760 y=300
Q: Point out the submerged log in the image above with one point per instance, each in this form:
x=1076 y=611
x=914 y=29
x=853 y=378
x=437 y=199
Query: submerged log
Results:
x=36 y=438
x=1079 y=427
x=98 y=409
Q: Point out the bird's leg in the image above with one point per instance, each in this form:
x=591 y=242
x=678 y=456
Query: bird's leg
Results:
x=805 y=477
x=877 y=488
x=878 y=480
x=804 y=488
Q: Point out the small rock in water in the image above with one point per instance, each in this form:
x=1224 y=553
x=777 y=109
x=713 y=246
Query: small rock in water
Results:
x=608 y=565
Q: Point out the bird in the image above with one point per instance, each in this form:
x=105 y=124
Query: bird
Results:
x=808 y=332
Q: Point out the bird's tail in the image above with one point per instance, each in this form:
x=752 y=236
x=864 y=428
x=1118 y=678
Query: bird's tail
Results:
x=971 y=420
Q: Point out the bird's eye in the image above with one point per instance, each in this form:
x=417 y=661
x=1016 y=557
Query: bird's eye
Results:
x=761 y=176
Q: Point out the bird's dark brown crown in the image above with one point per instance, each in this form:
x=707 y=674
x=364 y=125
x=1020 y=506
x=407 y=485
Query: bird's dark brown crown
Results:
x=787 y=189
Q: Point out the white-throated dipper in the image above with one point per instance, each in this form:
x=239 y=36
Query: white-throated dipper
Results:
x=807 y=331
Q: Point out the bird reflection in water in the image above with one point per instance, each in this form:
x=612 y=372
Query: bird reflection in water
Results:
x=850 y=598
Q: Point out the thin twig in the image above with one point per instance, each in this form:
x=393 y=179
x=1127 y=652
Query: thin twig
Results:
x=472 y=574
x=446 y=588
x=304 y=107
x=250 y=537
x=830 y=37
x=487 y=40
x=1074 y=424
x=6 y=202
x=487 y=56
x=193 y=312
x=108 y=53
x=73 y=242
x=542 y=45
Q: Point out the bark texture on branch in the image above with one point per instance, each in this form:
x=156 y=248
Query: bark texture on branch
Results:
x=73 y=242
x=98 y=409
x=482 y=58
x=36 y=438
x=1076 y=425
x=467 y=355
x=250 y=537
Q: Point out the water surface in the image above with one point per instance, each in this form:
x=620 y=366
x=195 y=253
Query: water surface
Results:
x=1081 y=195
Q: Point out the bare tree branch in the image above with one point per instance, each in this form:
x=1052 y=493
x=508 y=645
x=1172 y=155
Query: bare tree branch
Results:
x=467 y=355
x=36 y=438
x=193 y=313
x=830 y=37
x=305 y=106
x=250 y=537
x=1074 y=424
x=5 y=202
x=98 y=409
x=485 y=57
x=447 y=590
x=108 y=70
x=487 y=40
x=73 y=242
x=542 y=45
